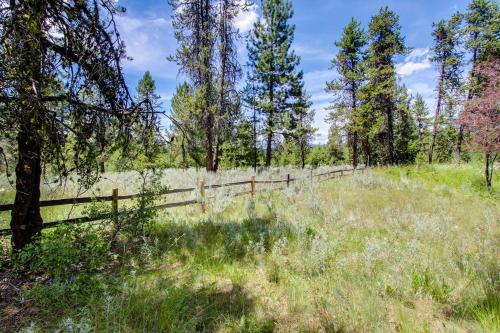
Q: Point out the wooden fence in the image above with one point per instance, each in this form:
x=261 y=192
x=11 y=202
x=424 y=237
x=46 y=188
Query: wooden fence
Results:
x=114 y=198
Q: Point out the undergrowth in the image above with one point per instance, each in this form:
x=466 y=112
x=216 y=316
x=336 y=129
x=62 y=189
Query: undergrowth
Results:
x=399 y=249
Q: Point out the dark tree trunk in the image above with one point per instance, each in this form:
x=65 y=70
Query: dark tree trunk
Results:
x=390 y=134
x=209 y=144
x=367 y=150
x=254 y=139
x=26 y=221
x=269 y=148
x=355 y=149
x=489 y=169
x=102 y=168
x=302 y=155
x=355 y=134
x=218 y=152
x=436 y=114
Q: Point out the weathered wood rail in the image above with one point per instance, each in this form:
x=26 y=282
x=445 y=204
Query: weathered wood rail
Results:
x=115 y=198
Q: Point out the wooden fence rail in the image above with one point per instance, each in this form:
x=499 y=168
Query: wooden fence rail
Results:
x=115 y=198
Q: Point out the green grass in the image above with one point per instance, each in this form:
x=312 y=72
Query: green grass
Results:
x=398 y=249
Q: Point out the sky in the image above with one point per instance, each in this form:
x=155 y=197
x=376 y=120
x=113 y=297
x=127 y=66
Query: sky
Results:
x=148 y=34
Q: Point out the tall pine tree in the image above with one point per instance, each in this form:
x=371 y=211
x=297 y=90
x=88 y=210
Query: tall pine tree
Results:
x=272 y=63
x=349 y=64
x=421 y=116
x=386 y=42
x=448 y=57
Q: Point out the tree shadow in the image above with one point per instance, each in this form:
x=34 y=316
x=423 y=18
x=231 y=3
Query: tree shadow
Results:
x=222 y=242
x=169 y=307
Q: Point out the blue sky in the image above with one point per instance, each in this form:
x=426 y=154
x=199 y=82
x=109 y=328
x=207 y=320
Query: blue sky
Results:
x=148 y=34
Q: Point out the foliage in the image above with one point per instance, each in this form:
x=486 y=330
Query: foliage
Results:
x=273 y=69
x=482 y=115
x=349 y=64
x=380 y=93
x=448 y=56
x=202 y=28
x=63 y=98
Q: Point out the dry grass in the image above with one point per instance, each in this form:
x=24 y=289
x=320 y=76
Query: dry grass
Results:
x=395 y=250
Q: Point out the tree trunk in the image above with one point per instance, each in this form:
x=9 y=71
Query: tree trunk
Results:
x=26 y=222
x=436 y=114
x=302 y=155
x=254 y=139
x=269 y=148
x=355 y=149
x=218 y=152
x=460 y=140
x=390 y=134
x=209 y=144
x=487 y=172
x=367 y=150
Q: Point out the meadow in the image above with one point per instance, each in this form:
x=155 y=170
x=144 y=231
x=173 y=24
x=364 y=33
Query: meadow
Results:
x=400 y=249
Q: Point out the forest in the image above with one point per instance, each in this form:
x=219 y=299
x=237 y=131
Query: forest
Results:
x=222 y=208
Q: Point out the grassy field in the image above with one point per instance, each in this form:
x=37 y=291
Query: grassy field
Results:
x=393 y=250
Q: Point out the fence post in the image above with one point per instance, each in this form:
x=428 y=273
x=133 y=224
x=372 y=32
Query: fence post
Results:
x=114 y=205
x=252 y=185
x=342 y=173
x=311 y=175
x=202 y=195
x=288 y=180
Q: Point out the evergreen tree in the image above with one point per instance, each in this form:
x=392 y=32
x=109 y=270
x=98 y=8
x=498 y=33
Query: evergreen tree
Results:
x=349 y=65
x=229 y=71
x=272 y=64
x=301 y=118
x=195 y=30
x=146 y=93
x=405 y=130
x=61 y=85
x=386 y=43
x=187 y=128
x=239 y=152
x=448 y=57
x=482 y=30
x=421 y=116
x=250 y=98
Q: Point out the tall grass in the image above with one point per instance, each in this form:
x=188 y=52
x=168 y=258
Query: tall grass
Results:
x=398 y=249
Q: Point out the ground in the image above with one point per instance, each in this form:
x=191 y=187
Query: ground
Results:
x=403 y=249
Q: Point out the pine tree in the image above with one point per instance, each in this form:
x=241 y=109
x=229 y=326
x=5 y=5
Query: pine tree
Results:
x=482 y=30
x=250 y=98
x=146 y=93
x=187 y=127
x=448 y=56
x=61 y=85
x=405 y=130
x=300 y=118
x=195 y=25
x=349 y=64
x=386 y=43
x=229 y=71
x=238 y=152
x=272 y=64
x=421 y=116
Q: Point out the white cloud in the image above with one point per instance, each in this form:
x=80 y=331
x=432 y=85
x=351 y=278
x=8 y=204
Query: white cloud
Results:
x=417 y=54
x=311 y=53
x=245 y=20
x=418 y=60
x=148 y=41
x=408 y=68
x=316 y=80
